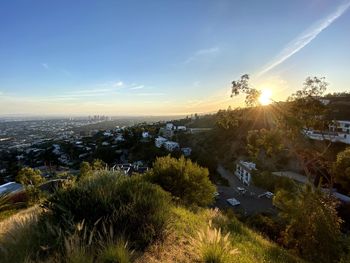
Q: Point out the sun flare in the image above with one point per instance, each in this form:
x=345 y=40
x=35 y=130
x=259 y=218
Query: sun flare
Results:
x=265 y=97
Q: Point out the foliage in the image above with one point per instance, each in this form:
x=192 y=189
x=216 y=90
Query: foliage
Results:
x=313 y=226
x=5 y=202
x=341 y=169
x=305 y=105
x=213 y=246
x=133 y=206
x=242 y=86
x=272 y=182
x=29 y=176
x=267 y=224
x=85 y=170
x=183 y=179
x=98 y=164
x=118 y=252
x=266 y=142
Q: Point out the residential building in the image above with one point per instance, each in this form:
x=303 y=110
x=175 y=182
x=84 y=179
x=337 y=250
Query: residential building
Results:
x=244 y=171
x=159 y=141
x=169 y=126
x=340 y=126
x=145 y=134
x=181 y=128
x=339 y=131
x=171 y=146
x=186 y=151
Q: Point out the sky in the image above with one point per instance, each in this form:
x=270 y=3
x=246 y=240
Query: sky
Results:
x=164 y=57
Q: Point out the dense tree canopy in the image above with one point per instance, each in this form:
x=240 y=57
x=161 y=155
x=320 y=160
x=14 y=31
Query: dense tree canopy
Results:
x=342 y=169
x=183 y=179
x=313 y=226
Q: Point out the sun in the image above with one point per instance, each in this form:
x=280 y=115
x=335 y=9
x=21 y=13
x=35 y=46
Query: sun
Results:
x=265 y=97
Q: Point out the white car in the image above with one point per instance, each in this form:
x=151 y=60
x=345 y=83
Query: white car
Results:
x=233 y=201
x=267 y=195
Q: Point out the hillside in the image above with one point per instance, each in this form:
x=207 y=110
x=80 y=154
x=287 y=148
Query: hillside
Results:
x=177 y=245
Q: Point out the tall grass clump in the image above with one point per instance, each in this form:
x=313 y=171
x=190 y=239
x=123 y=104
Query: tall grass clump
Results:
x=135 y=208
x=116 y=252
x=213 y=246
x=28 y=238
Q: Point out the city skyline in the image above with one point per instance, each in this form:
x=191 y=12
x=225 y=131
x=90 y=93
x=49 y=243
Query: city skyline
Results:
x=164 y=57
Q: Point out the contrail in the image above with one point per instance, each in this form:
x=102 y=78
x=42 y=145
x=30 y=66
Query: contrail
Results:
x=305 y=38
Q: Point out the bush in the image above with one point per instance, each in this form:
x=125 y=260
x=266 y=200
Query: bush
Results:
x=183 y=179
x=133 y=206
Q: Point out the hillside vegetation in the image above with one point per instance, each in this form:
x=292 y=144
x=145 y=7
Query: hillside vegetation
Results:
x=104 y=216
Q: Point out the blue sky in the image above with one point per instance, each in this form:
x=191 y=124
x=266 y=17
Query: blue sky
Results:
x=164 y=57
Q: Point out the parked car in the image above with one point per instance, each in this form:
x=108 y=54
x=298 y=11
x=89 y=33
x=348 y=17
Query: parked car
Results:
x=233 y=201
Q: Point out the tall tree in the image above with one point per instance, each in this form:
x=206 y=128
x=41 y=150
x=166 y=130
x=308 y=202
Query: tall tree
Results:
x=313 y=226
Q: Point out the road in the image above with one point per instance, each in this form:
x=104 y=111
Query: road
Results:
x=250 y=202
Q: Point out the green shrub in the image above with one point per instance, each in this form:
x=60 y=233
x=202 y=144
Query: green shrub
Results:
x=183 y=179
x=133 y=206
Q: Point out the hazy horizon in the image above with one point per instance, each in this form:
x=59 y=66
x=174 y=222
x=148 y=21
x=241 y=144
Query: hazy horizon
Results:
x=164 y=58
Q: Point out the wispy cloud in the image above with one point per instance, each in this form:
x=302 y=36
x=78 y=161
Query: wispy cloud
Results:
x=150 y=94
x=305 y=38
x=45 y=65
x=137 y=87
x=201 y=53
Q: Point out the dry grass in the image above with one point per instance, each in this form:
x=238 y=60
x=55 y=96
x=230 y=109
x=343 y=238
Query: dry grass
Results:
x=11 y=223
x=185 y=225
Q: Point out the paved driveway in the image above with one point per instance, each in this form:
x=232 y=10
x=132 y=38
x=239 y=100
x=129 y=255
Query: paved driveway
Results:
x=250 y=203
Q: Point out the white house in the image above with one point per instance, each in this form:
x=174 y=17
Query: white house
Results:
x=181 y=128
x=339 y=131
x=244 y=171
x=159 y=141
x=169 y=126
x=340 y=126
x=171 y=146
x=145 y=134
x=119 y=138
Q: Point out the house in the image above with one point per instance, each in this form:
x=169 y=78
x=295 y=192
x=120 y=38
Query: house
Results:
x=339 y=131
x=244 y=171
x=159 y=141
x=119 y=138
x=169 y=126
x=186 y=151
x=340 y=126
x=171 y=146
x=181 y=128
x=145 y=134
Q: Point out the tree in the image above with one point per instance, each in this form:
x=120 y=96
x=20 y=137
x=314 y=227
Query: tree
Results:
x=341 y=169
x=305 y=104
x=183 y=179
x=98 y=164
x=313 y=226
x=266 y=142
x=242 y=86
x=85 y=170
x=29 y=176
